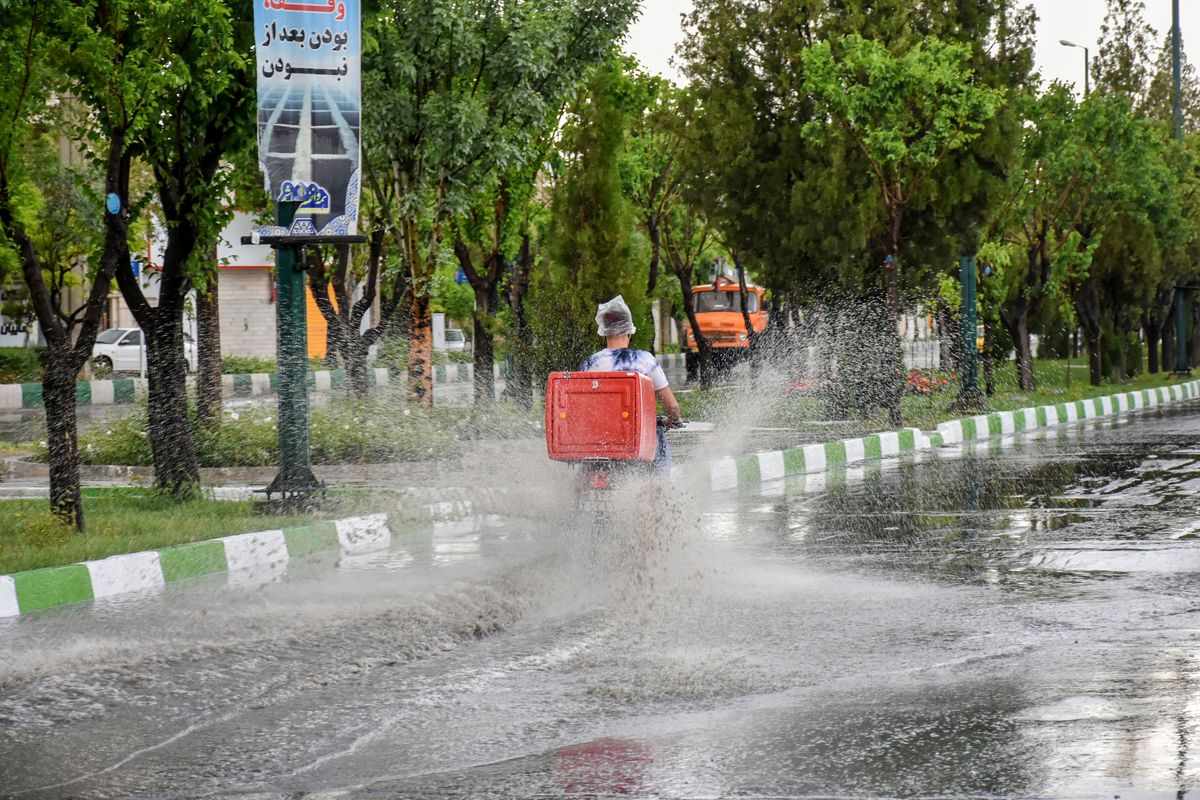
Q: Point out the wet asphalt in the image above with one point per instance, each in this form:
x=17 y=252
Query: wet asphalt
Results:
x=1017 y=619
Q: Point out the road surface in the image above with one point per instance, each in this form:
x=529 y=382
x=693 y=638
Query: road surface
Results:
x=1019 y=619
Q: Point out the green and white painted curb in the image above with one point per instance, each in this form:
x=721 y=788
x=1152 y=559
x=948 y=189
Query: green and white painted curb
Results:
x=246 y=557
x=750 y=470
x=15 y=396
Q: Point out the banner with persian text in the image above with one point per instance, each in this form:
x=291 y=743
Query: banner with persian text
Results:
x=309 y=110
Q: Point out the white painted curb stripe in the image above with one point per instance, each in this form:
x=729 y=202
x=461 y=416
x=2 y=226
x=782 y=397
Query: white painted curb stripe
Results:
x=889 y=444
x=982 y=431
x=1106 y=405
x=382 y=376
x=952 y=432
x=1051 y=416
x=8 y=597
x=1031 y=422
x=1072 y=412
x=132 y=572
x=722 y=474
x=855 y=451
x=10 y=395
x=322 y=381
x=814 y=458
x=770 y=465
x=102 y=393
x=1007 y=423
x=260 y=384
x=363 y=534
x=252 y=552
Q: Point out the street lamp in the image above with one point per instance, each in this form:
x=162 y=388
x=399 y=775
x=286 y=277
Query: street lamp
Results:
x=1087 y=65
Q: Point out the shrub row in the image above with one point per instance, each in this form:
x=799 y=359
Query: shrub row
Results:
x=20 y=364
x=348 y=433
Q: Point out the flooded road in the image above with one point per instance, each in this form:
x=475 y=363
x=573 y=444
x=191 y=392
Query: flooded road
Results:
x=1013 y=620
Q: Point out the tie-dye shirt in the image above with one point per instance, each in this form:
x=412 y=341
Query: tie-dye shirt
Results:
x=627 y=359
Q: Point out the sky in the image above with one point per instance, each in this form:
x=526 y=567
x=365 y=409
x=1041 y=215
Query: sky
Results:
x=658 y=30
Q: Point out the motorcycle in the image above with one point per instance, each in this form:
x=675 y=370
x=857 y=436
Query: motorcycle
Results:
x=597 y=477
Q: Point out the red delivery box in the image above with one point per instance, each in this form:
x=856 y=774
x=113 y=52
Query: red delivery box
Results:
x=600 y=415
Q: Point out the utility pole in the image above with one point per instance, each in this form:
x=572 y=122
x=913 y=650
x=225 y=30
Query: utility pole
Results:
x=1183 y=295
x=969 y=396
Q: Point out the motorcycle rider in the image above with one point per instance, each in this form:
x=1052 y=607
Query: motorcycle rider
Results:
x=614 y=321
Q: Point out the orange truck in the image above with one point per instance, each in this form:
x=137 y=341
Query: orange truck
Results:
x=719 y=315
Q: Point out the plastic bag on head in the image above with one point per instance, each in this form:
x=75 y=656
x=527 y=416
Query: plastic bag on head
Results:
x=614 y=318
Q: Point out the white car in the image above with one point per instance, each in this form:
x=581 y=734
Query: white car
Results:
x=121 y=350
x=456 y=341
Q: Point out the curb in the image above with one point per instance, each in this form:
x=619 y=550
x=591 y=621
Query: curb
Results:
x=124 y=391
x=16 y=396
x=756 y=468
x=247 y=557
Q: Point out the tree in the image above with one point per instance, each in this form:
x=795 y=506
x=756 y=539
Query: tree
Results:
x=456 y=91
x=204 y=113
x=656 y=180
x=1122 y=61
x=54 y=51
x=488 y=238
x=905 y=114
x=592 y=241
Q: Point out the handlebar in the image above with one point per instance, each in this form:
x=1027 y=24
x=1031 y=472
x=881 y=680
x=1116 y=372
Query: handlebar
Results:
x=669 y=423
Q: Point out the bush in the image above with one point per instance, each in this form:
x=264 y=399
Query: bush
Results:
x=346 y=433
x=20 y=364
x=245 y=365
x=122 y=440
x=372 y=431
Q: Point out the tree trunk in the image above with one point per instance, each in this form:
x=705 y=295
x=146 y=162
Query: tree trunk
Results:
x=519 y=383
x=1017 y=324
x=1167 y=332
x=208 y=357
x=58 y=396
x=1150 y=330
x=989 y=366
x=892 y=347
x=487 y=298
x=420 y=350
x=175 y=466
x=355 y=350
x=704 y=353
x=948 y=342
x=1095 y=351
x=1194 y=334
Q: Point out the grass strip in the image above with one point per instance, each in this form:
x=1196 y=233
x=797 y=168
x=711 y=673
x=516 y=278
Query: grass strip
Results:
x=129 y=520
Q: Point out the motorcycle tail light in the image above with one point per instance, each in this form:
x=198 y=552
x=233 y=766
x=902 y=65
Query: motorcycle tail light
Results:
x=598 y=480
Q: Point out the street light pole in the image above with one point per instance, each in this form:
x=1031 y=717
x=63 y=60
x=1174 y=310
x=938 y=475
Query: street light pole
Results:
x=1087 y=63
x=1183 y=295
x=1176 y=70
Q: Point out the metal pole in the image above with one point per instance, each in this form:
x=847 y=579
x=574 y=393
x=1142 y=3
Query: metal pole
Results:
x=1087 y=73
x=969 y=391
x=1176 y=71
x=295 y=475
x=1183 y=304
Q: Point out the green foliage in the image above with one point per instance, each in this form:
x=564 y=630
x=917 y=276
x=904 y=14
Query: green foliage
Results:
x=905 y=113
x=594 y=248
x=20 y=364
x=246 y=365
x=367 y=432
x=455 y=300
